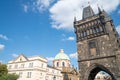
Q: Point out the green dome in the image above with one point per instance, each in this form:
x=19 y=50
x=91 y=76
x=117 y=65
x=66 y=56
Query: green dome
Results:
x=61 y=56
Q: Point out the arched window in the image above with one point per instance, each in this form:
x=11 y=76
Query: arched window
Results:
x=63 y=64
x=57 y=64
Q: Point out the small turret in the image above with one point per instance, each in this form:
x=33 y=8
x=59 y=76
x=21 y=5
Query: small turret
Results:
x=87 y=12
x=99 y=10
x=74 y=18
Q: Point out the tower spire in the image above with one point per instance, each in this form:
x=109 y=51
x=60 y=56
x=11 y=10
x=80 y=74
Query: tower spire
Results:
x=99 y=9
x=74 y=18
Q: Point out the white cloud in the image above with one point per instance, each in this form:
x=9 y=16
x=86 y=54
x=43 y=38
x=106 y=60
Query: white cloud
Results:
x=50 y=58
x=15 y=55
x=2 y=47
x=73 y=55
x=37 y=5
x=25 y=8
x=118 y=29
x=63 y=11
x=65 y=38
x=3 y=37
x=71 y=38
x=41 y=5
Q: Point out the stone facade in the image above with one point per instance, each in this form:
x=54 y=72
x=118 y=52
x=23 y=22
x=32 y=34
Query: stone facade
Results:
x=97 y=44
x=70 y=73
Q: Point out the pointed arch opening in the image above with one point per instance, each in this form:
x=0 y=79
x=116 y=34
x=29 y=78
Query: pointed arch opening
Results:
x=99 y=72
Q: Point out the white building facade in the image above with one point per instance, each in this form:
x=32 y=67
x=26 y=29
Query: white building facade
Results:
x=33 y=68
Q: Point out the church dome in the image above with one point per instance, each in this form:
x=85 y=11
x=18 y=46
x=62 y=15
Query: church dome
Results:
x=61 y=56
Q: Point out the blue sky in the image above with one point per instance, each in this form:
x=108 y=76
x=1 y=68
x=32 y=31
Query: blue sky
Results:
x=43 y=27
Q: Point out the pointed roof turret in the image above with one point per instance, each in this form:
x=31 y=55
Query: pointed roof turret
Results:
x=106 y=16
x=74 y=18
x=87 y=12
x=99 y=10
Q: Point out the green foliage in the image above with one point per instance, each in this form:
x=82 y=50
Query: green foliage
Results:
x=4 y=73
x=9 y=77
x=3 y=69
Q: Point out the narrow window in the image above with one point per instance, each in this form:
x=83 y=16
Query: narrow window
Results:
x=22 y=65
x=42 y=65
x=94 y=30
x=57 y=64
x=97 y=29
x=10 y=66
x=92 y=48
x=30 y=65
x=16 y=66
x=63 y=64
x=20 y=74
x=85 y=34
x=82 y=34
x=29 y=74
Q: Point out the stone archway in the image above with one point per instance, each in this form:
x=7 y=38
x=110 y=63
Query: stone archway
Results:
x=94 y=69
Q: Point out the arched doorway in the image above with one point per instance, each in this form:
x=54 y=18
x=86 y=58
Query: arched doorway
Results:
x=102 y=76
x=95 y=69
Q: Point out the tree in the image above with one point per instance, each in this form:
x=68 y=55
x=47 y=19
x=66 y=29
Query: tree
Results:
x=9 y=77
x=3 y=69
x=4 y=73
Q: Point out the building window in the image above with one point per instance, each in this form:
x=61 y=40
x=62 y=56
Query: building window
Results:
x=29 y=74
x=10 y=66
x=47 y=78
x=42 y=65
x=63 y=64
x=57 y=64
x=54 y=78
x=40 y=74
x=52 y=71
x=92 y=48
x=16 y=66
x=94 y=30
x=30 y=65
x=22 y=65
x=20 y=74
x=48 y=70
x=98 y=29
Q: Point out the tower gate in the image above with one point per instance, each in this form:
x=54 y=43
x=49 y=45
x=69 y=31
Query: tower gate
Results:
x=97 y=45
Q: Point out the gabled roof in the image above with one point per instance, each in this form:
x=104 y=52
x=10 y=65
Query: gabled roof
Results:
x=21 y=58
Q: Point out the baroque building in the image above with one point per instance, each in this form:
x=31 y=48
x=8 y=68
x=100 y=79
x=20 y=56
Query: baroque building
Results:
x=62 y=62
x=33 y=68
x=37 y=68
x=97 y=44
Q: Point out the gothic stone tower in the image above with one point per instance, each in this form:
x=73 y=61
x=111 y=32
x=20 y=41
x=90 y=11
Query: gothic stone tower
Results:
x=97 y=45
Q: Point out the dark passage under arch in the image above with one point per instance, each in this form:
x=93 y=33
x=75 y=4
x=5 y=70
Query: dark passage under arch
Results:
x=96 y=70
